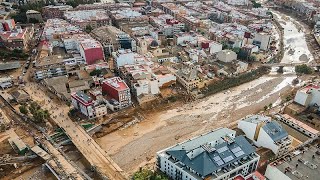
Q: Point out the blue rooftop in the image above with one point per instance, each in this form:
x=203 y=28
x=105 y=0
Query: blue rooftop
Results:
x=275 y=130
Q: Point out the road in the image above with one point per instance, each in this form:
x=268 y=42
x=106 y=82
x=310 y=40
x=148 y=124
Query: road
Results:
x=59 y=163
x=94 y=154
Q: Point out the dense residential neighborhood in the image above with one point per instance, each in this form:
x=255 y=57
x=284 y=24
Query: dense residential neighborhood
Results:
x=160 y=89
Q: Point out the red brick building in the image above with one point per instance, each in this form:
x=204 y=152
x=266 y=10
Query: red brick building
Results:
x=115 y=88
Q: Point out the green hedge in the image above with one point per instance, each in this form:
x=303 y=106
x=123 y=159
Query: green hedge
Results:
x=235 y=81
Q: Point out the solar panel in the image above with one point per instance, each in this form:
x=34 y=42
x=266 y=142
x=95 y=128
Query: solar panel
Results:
x=224 y=148
x=227 y=159
x=237 y=149
x=219 y=162
x=238 y=154
x=217 y=158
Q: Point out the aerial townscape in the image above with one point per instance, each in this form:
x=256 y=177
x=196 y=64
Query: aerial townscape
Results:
x=159 y=90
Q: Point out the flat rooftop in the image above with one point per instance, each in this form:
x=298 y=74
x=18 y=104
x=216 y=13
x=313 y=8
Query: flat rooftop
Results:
x=300 y=124
x=307 y=166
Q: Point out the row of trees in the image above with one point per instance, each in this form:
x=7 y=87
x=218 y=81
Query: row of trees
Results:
x=75 y=3
x=38 y=114
x=236 y=81
x=15 y=53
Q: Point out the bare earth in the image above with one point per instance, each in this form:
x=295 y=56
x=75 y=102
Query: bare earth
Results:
x=137 y=145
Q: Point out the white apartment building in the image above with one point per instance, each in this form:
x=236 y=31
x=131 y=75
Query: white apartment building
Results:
x=266 y=133
x=127 y=57
x=167 y=24
x=88 y=106
x=226 y=56
x=146 y=87
x=216 y=155
x=298 y=125
x=215 y=47
x=262 y=40
x=308 y=96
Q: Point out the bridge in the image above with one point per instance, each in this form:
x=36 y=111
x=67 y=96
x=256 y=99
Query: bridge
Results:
x=57 y=163
x=93 y=153
x=55 y=160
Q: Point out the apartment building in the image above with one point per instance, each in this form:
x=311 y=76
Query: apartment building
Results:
x=90 y=49
x=167 y=24
x=191 y=22
x=113 y=39
x=298 y=125
x=218 y=154
x=146 y=81
x=266 y=133
x=127 y=57
x=86 y=105
x=51 y=11
x=226 y=56
x=188 y=77
x=104 y=6
x=117 y=90
x=55 y=28
x=16 y=38
x=34 y=15
x=84 y=18
x=262 y=40
x=127 y=18
x=308 y=96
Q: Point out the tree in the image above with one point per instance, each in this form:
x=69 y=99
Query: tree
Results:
x=39 y=115
x=243 y=55
x=146 y=174
x=236 y=50
x=23 y=109
x=33 y=20
x=95 y=72
x=21 y=16
x=252 y=58
x=265 y=108
x=88 y=29
x=303 y=69
x=255 y=4
x=72 y=112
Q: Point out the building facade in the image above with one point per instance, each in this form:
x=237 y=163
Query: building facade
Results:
x=266 y=133
x=87 y=106
x=308 y=96
x=85 y=18
x=50 y=12
x=115 y=88
x=218 y=154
